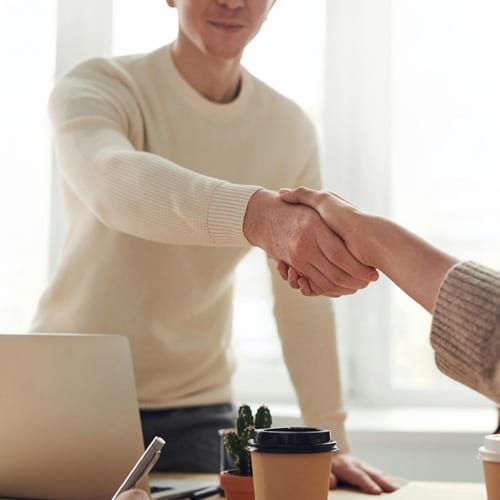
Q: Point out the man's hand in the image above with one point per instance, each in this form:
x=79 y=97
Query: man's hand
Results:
x=297 y=236
x=350 y=470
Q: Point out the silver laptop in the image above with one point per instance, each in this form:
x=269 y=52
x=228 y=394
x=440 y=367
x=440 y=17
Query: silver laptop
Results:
x=69 y=419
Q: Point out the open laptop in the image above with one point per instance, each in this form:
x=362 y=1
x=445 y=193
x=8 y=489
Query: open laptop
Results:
x=69 y=420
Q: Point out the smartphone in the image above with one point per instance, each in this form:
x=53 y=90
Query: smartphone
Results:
x=143 y=465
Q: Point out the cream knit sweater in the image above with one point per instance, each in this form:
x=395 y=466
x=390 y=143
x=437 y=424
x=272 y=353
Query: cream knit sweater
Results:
x=156 y=180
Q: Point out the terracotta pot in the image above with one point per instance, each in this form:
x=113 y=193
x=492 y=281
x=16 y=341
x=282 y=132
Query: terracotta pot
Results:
x=236 y=487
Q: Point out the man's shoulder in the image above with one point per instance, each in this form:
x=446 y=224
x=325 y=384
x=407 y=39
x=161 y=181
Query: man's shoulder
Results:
x=98 y=85
x=124 y=70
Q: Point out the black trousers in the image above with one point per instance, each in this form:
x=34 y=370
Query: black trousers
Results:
x=191 y=435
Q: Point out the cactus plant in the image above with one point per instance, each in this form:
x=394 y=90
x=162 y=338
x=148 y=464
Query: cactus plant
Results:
x=236 y=442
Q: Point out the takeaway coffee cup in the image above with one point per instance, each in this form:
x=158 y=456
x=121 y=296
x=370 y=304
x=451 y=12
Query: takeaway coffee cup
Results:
x=291 y=463
x=489 y=453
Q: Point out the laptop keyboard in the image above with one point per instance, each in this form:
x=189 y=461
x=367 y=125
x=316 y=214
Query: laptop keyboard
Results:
x=157 y=489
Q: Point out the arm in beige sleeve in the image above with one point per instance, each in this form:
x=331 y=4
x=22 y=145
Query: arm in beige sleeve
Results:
x=133 y=191
x=99 y=139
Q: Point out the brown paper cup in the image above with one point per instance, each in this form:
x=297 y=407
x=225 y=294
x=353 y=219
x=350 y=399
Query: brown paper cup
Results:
x=277 y=476
x=492 y=479
x=292 y=463
x=489 y=453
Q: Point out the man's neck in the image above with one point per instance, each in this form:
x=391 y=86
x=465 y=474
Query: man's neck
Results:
x=216 y=79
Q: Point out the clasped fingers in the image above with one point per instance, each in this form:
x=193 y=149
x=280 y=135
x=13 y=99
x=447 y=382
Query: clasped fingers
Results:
x=324 y=266
x=349 y=272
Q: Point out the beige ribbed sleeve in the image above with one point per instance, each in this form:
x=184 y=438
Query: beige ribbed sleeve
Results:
x=132 y=191
x=466 y=328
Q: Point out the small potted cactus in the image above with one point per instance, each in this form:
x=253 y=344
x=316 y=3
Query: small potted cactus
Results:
x=238 y=483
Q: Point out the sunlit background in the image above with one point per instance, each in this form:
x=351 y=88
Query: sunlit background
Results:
x=432 y=95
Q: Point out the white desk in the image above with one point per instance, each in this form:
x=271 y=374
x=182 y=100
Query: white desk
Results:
x=412 y=491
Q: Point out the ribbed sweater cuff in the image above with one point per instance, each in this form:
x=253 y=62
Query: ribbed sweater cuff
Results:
x=226 y=212
x=465 y=320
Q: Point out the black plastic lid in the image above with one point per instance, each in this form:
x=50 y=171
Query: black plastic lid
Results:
x=292 y=440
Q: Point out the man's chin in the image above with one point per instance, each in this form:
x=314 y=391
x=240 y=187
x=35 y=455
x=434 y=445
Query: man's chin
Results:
x=226 y=52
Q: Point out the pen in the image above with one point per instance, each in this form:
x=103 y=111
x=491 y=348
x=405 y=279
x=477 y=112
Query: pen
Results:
x=205 y=492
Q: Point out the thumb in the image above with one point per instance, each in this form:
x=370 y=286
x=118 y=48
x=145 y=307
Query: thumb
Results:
x=334 y=482
x=298 y=195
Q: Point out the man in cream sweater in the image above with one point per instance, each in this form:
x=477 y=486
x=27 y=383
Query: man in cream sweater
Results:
x=164 y=158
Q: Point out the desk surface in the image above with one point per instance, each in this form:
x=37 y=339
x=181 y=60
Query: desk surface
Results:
x=415 y=490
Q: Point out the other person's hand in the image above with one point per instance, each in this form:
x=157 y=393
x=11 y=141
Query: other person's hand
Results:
x=341 y=217
x=297 y=236
x=350 y=470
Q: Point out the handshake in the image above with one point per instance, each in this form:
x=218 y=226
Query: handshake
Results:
x=317 y=238
x=326 y=246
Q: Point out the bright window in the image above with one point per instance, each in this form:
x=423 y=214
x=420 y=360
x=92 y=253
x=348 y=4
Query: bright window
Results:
x=412 y=132
x=445 y=151
x=27 y=52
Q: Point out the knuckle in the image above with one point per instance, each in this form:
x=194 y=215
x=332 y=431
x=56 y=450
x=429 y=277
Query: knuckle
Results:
x=308 y=221
x=322 y=195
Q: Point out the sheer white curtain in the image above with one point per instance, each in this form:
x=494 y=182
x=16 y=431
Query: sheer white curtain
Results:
x=27 y=52
x=413 y=128
x=445 y=148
